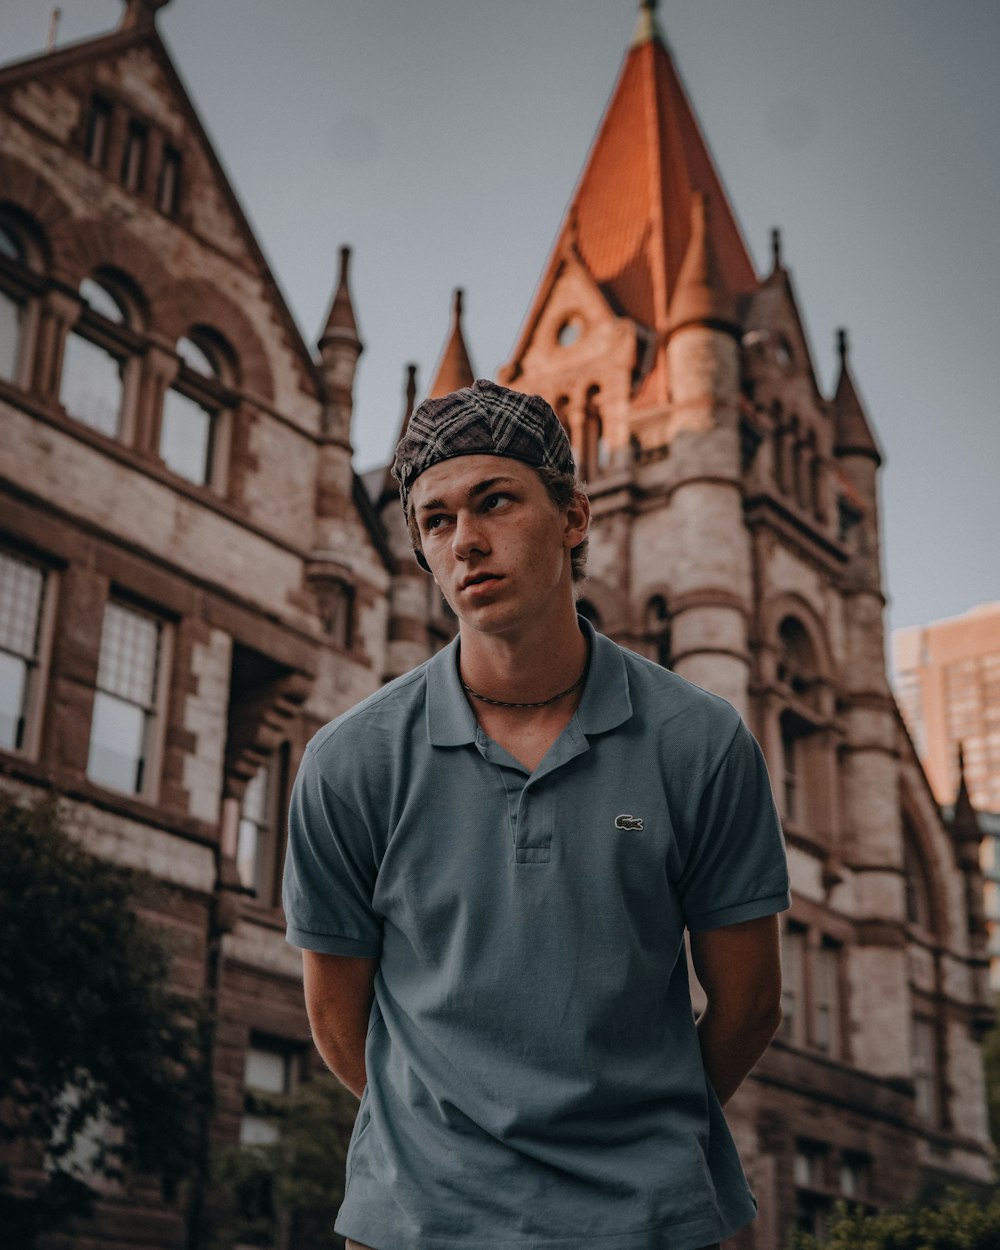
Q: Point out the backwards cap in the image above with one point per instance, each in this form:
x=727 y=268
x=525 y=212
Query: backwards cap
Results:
x=481 y=419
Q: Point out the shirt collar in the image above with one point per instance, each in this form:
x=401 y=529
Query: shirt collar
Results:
x=605 y=703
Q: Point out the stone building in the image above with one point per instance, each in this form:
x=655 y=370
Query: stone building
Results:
x=193 y=578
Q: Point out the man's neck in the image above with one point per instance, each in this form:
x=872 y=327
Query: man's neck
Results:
x=539 y=661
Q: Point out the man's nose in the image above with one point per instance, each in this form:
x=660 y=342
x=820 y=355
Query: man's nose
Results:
x=470 y=536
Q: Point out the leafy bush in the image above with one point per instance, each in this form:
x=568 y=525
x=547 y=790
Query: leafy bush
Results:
x=298 y=1180
x=96 y=1053
x=957 y=1224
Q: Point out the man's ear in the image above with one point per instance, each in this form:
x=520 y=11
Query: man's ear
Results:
x=577 y=520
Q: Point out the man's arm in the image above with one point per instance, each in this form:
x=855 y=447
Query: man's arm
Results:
x=739 y=967
x=339 y=990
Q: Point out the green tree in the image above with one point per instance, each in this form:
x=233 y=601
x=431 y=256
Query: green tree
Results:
x=296 y=1182
x=98 y=1058
x=960 y=1223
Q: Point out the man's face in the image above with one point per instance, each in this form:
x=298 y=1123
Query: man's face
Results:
x=497 y=545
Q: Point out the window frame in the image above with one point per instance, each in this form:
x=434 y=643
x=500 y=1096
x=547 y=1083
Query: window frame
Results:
x=37 y=679
x=22 y=282
x=216 y=396
x=122 y=341
x=155 y=717
x=266 y=874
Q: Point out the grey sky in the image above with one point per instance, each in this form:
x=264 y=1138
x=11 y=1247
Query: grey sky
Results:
x=443 y=139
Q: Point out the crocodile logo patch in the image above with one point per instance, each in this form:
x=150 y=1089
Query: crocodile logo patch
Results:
x=628 y=822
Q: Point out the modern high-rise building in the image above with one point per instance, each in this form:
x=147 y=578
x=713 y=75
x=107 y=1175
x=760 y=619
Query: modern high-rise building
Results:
x=193 y=579
x=947 y=679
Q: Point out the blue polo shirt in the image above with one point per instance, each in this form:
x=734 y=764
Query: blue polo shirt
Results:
x=534 y=1074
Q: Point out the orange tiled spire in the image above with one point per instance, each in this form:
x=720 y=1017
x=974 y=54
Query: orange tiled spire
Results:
x=629 y=220
x=455 y=369
x=852 y=433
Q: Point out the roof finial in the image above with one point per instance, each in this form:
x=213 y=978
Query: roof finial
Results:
x=647 y=28
x=776 y=248
x=411 y=391
x=53 y=29
x=141 y=14
x=842 y=347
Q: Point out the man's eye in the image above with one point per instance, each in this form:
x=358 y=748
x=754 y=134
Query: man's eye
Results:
x=433 y=522
x=491 y=501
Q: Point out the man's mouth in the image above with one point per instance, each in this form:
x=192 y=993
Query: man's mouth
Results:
x=477 y=579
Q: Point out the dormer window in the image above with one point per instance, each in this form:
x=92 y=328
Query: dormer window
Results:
x=168 y=184
x=134 y=157
x=95 y=143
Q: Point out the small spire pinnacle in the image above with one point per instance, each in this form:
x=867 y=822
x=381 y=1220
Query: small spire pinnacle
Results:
x=842 y=346
x=647 y=28
x=776 y=248
x=455 y=369
x=341 y=323
x=411 y=392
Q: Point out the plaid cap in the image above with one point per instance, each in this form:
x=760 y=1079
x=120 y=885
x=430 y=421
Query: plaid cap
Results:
x=481 y=419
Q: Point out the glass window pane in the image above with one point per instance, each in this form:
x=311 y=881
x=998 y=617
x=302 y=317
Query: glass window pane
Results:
x=196 y=358
x=256 y=1131
x=247 y=853
x=10 y=245
x=11 y=316
x=13 y=688
x=185 y=436
x=266 y=1070
x=129 y=653
x=102 y=301
x=21 y=586
x=91 y=387
x=117 y=742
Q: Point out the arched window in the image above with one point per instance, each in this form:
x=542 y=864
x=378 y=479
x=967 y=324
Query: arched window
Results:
x=97 y=353
x=918 y=891
x=797 y=669
x=194 y=405
x=594 y=447
x=657 y=630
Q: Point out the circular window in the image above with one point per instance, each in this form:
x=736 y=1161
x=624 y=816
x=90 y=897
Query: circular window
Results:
x=783 y=352
x=569 y=332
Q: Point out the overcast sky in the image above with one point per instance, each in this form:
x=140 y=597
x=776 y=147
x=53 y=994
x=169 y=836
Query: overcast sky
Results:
x=442 y=139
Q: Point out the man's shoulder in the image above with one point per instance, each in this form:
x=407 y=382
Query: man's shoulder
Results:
x=387 y=709
x=661 y=695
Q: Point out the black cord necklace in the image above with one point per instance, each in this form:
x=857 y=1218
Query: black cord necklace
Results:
x=541 y=703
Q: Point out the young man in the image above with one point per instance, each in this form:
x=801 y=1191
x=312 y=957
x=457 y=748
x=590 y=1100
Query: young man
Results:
x=492 y=863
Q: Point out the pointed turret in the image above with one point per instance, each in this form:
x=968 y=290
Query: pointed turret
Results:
x=390 y=490
x=454 y=368
x=339 y=349
x=628 y=228
x=967 y=837
x=852 y=434
x=701 y=295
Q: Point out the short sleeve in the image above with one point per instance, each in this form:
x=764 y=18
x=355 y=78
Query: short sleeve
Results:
x=736 y=868
x=330 y=870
